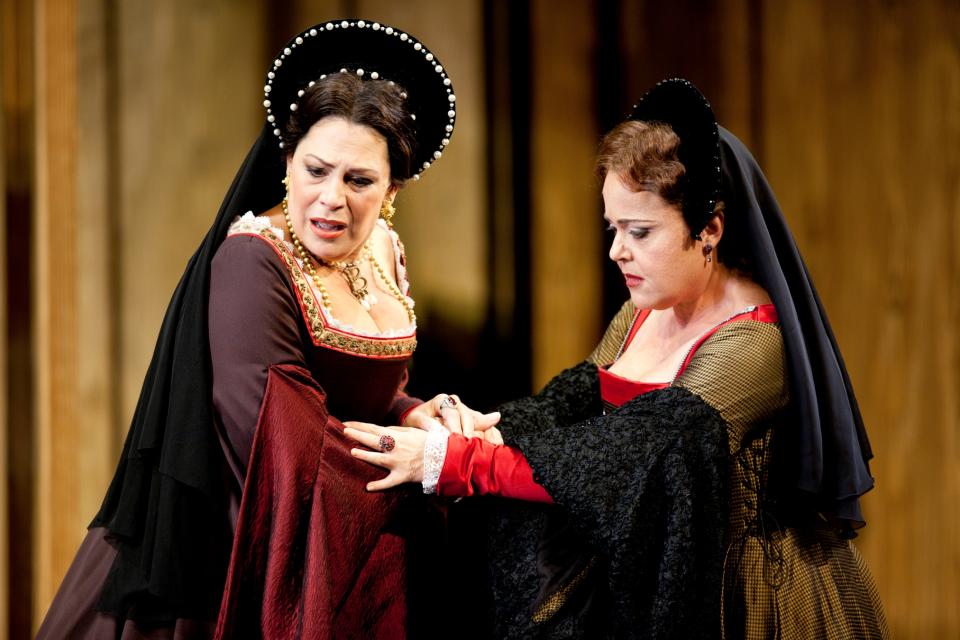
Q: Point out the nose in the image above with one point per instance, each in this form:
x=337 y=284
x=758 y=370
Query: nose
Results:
x=618 y=251
x=331 y=194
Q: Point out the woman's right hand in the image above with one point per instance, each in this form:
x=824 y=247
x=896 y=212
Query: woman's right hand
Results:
x=455 y=416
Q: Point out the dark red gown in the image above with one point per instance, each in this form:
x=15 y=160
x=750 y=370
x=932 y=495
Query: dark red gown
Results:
x=314 y=554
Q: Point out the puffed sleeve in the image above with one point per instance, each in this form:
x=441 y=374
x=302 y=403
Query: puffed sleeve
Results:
x=739 y=371
x=615 y=335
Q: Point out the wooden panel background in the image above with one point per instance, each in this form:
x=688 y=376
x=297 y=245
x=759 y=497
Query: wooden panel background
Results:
x=862 y=145
x=189 y=78
x=852 y=109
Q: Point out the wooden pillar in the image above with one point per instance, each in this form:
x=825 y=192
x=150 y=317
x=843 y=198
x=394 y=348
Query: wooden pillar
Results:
x=4 y=424
x=96 y=302
x=566 y=212
x=55 y=302
x=16 y=21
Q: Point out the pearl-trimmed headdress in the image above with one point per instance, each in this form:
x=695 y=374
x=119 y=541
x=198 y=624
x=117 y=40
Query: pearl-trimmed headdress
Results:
x=371 y=51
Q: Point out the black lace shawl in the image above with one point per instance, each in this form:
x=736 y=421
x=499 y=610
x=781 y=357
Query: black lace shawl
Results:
x=644 y=487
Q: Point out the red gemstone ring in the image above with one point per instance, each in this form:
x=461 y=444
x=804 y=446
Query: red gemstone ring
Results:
x=387 y=443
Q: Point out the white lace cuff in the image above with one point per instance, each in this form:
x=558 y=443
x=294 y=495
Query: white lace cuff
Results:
x=434 y=453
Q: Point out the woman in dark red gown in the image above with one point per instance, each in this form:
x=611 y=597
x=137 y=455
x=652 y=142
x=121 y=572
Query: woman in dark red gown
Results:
x=236 y=510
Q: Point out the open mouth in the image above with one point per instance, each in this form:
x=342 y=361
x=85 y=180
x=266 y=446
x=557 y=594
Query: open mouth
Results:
x=327 y=225
x=327 y=228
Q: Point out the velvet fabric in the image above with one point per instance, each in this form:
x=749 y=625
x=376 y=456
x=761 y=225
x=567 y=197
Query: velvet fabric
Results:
x=312 y=555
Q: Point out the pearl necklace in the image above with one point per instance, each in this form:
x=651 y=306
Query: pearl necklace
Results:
x=350 y=271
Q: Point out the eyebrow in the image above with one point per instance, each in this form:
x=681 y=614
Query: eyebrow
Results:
x=628 y=220
x=372 y=172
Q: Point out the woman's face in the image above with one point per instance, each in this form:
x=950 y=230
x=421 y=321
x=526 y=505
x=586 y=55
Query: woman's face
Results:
x=339 y=178
x=662 y=265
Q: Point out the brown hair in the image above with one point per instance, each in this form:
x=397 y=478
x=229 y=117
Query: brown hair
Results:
x=377 y=104
x=644 y=156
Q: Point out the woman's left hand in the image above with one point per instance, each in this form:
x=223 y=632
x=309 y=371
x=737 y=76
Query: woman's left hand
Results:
x=404 y=460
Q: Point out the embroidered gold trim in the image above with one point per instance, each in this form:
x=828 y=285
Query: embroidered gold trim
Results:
x=555 y=602
x=323 y=336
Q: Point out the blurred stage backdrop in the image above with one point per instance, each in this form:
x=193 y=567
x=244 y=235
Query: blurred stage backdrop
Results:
x=123 y=123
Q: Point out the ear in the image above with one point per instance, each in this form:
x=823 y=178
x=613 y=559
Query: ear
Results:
x=392 y=192
x=713 y=230
x=289 y=163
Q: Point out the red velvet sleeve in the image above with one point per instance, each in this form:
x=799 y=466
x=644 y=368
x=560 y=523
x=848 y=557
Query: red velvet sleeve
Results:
x=476 y=467
x=313 y=555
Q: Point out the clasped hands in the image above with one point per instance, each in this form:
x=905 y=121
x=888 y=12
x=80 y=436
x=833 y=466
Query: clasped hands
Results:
x=404 y=459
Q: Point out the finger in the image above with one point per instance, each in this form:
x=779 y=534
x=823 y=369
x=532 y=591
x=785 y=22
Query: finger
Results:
x=424 y=422
x=391 y=481
x=484 y=427
x=493 y=436
x=451 y=420
x=467 y=420
x=370 y=440
x=436 y=402
x=372 y=457
x=362 y=426
x=486 y=420
x=463 y=415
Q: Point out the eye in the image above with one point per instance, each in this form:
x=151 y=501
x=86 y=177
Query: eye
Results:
x=639 y=232
x=359 y=181
x=317 y=172
x=609 y=228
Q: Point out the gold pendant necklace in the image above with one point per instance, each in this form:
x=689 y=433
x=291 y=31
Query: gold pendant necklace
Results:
x=351 y=273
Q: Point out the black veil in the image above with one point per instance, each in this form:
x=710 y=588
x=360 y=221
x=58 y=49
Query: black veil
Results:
x=165 y=507
x=823 y=459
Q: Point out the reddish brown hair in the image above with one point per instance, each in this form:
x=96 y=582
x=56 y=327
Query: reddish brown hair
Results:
x=644 y=156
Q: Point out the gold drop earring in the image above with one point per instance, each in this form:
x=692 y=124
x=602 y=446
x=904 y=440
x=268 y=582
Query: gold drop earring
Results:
x=387 y=211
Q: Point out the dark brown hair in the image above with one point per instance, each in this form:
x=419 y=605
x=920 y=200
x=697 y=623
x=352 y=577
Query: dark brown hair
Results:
x=644 y=156
x=377 y=104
